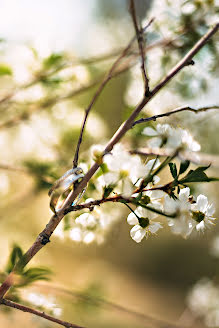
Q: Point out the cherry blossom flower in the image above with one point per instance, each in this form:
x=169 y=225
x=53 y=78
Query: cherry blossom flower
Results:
x=92 y=226
x=125 y=170
x=183 y=224
x=143 y=224
x=170 y=137
x=202 y=213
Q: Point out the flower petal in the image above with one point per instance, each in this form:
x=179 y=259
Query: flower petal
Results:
x=137 y=233
x=132 y=219
x=202 y=203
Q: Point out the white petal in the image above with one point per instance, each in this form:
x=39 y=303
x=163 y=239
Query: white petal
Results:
x=200 y=226
x=127 y=188
x=184 y=194
x=210 y=210
x=137 y=233
x=132 y=219
x=154 y=227
x=155 y=142
x=202 y=203
x=148 y=131
x=88 y=237
x=75 y=234
x=170 y=205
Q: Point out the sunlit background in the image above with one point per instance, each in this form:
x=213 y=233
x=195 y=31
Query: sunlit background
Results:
x=119 y=283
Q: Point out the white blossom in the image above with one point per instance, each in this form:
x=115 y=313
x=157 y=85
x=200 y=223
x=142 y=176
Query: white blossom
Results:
x=92 y=226
x=203 y=300
x=183 y=224
x=202 y=213
x=143 y=224
x=46 y=302
x=125 y=170
x=169 y=137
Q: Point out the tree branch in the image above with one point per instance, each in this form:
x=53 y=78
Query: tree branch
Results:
x=108 y=304
x=139 y=35
x=43 y=237
x=106 y=79
x=37 y=313
x=177 y=110
x=194 y=157
x=33 y=107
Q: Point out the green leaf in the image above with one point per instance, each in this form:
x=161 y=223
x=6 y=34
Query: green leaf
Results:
x=173 y=170
x=29 y=276
x=184 y=166
x=107 y=191
x=198 y=175
x=52 y=60
x=5 y=70
x=14 y=257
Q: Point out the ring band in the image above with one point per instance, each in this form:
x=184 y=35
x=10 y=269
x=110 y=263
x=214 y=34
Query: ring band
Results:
x=64 y=184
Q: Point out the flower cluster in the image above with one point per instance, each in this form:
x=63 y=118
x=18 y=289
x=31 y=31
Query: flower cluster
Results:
x=124 y=173
x=166 y=136
x=191 y=214
x=91 y=226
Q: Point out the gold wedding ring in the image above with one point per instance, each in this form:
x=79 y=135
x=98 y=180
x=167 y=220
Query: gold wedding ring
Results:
x=63 y=185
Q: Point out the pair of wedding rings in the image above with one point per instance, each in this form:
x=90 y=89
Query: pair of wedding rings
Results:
x=62 y=187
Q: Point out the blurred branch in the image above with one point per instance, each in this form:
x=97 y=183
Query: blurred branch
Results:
x=139 y=35
x=108 y=304
x=194 y=157
x=37 y=313
x=33 y=107
x=106 y=79
x=44 y=237
x=24 y=171
x=177 y=110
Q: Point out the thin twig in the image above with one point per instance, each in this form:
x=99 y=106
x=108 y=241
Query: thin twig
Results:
x=105 y=80
x=140 y=39
x=33 y=107
x=194 y=157
x=44 y=237
x=177 y=110
x=108 y=304
x=41 y=314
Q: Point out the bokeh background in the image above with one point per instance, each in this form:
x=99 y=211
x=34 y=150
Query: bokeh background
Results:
x=113 y=284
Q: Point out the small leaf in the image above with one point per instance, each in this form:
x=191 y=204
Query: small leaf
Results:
x=5 y=70
x=107 y=191
x=15 y=256
x=52 y=60
x=184 y=166
x=173 y=170
x=198 y=175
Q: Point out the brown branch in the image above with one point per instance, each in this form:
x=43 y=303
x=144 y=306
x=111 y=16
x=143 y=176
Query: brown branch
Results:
x=177 y=110
x=43 y=237
x=139 y=35
x=106 y=79
x=38 y=313
x=194 y=157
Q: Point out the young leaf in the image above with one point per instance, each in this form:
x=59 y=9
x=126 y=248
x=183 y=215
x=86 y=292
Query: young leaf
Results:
x=173 y=170
x=197 y=175
x=107 y=191
x=184 y=166
x=52 y=60
x=15 y=256
x=5 y=70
